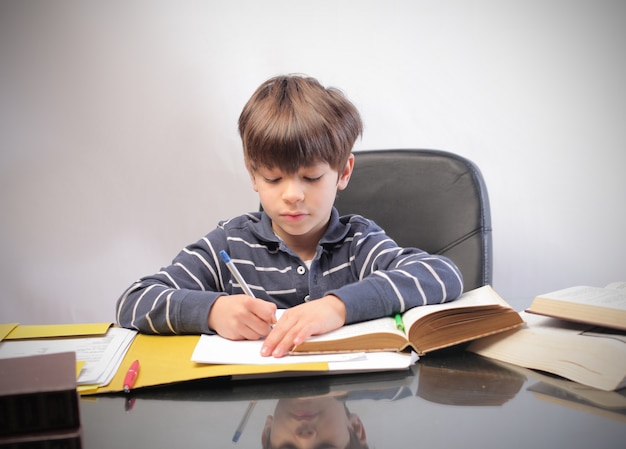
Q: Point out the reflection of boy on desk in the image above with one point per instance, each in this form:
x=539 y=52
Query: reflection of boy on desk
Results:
x=320 y=421
x=298 y=253
x=325 y=420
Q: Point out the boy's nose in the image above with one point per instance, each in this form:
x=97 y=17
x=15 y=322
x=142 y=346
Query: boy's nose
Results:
x=306 y=431
x=293 y=192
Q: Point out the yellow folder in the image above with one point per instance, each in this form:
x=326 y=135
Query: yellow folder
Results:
x=163 y=359
x=167 y=359
x=21 y=332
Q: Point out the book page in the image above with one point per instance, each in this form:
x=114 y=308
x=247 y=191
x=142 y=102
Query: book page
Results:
x=541 y=323
x=380 y=325
x=482 y=296
x=603 y=297
x=549 y=325
x=560 y=347
x=617 y=286
x=213 y=349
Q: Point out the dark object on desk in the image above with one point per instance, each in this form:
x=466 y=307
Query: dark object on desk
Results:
x=433 y=200
x=38 y=394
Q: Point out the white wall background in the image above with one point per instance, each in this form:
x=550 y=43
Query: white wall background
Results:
x=118 y=142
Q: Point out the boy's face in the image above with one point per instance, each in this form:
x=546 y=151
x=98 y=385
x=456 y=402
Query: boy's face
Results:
x=311 y=423
x=299 y=204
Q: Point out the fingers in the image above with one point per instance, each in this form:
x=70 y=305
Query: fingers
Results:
x=288 y=332
x=301 y=322
x=241 y=317
x=250 y=329
x=264 y=310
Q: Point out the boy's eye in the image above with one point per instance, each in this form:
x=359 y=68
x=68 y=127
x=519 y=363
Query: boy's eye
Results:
x=311 y=179
x=271 y=180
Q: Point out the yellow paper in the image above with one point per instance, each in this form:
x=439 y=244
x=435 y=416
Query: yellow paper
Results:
x=5 y=329
x=79 y=367
x=57 y=330
x=167 y=359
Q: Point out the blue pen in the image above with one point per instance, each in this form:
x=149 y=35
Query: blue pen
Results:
x=236 y=274
x=244 y=420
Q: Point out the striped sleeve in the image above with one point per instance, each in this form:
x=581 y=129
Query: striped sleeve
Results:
x=177 y=299
x=392 y=279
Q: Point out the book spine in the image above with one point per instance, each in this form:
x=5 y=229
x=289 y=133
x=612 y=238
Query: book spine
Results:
x=39 y=412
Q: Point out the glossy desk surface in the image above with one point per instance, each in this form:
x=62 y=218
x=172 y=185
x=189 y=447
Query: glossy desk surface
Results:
x=451 y=399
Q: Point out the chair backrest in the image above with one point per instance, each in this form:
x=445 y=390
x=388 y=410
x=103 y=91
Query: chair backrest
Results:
x=433 y=200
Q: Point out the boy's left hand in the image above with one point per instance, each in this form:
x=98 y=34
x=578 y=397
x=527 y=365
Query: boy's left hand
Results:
x=301 y=322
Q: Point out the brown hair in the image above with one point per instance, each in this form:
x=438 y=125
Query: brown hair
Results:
x=293 y=121
x=354 y=442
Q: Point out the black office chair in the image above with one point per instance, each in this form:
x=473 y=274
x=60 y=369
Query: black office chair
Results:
x=433 y=200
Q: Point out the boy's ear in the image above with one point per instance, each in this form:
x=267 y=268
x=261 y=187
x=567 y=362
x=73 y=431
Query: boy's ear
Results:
x=267 y=428
x=358 y=428
x=344 y=176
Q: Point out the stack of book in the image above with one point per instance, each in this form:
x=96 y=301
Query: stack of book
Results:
x=578 y=333
x=39 y=404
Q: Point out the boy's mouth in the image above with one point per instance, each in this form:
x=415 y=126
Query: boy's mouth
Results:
x=294 y=216
x=304 y=415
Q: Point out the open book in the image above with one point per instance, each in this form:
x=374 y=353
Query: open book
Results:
x=556 y=389
x=475 y=314
x=593 y=305
x=593 y=356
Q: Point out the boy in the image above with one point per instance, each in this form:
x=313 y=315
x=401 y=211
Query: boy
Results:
x=296 y=254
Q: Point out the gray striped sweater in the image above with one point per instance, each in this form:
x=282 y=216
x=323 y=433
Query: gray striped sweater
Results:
x=356 y=261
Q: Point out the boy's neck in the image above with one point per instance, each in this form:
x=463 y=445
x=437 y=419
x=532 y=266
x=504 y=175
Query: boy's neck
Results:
x=304 y=249
x=305 y=254
x=304 y=246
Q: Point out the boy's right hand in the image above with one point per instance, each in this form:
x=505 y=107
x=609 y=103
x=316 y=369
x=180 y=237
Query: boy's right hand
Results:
x=242 y=317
